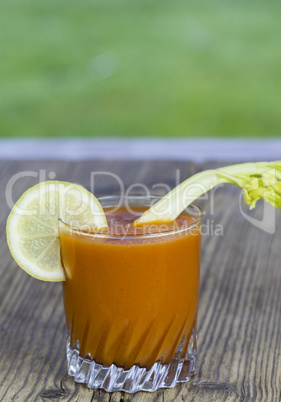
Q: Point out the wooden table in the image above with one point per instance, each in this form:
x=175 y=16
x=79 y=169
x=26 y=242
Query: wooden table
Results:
x=239 y=337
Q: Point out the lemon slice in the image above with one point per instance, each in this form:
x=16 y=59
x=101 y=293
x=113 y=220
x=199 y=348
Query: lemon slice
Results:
x=33 y=225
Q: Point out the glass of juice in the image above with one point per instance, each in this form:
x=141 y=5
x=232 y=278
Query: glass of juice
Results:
x=131 y=298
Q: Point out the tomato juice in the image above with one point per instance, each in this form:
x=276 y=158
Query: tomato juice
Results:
x=131 y=295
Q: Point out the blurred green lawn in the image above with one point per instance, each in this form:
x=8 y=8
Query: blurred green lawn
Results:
x=140 y=68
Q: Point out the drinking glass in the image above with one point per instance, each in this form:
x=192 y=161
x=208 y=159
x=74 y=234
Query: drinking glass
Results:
x=131 y=303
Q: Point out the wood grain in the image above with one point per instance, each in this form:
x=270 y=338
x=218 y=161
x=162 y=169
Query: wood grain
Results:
x=239 y=337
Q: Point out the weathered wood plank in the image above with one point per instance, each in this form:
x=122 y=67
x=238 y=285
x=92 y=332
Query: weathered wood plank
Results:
x=239 y=315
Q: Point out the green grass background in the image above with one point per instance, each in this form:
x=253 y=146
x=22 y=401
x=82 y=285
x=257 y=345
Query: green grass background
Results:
x=140 y=68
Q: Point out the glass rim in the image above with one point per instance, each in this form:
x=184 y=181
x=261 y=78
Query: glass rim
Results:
x=105 y=235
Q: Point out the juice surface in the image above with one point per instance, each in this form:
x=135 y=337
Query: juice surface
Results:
x=131 y=300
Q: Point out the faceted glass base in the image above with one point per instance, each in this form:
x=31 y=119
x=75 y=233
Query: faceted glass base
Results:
x=135 y=379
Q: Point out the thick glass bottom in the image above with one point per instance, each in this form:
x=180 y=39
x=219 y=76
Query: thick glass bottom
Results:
x=113 y=378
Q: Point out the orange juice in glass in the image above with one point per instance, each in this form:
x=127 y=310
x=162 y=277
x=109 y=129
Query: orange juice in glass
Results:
x=131 y=298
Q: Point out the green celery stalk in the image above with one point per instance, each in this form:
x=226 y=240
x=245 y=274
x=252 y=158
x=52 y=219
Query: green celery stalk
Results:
x=258 y=180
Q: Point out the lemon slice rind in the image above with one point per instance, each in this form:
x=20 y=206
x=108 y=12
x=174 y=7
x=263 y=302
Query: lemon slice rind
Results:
x=33 y=225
